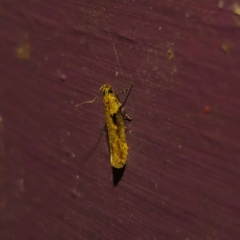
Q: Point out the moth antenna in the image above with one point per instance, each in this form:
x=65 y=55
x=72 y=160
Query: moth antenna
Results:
x=129 y=90
x=91 y=101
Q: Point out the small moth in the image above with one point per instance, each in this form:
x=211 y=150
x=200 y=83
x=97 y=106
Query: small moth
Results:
x=115 y=116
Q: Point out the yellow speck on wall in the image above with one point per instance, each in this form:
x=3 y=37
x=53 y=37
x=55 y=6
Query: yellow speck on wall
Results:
x=24 y=49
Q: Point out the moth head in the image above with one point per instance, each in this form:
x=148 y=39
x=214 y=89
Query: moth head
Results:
x=106 y=88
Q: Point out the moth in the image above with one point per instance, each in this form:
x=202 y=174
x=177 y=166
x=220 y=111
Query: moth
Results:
x=115 y=116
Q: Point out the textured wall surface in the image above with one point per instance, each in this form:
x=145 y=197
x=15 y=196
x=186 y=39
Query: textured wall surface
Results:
x=182 y=179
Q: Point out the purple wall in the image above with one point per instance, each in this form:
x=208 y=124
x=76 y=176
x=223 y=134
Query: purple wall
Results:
x=182 y=179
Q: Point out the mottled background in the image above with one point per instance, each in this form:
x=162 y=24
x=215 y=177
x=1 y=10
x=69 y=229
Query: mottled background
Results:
x=182 y=179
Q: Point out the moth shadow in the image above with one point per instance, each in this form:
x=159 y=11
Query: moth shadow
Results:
x=93 y=148
x=117 y=175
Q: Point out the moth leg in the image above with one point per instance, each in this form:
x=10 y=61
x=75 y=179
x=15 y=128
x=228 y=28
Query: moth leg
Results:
x=125 y=115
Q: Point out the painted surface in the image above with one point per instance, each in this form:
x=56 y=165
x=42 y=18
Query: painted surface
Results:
x=182 y=178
